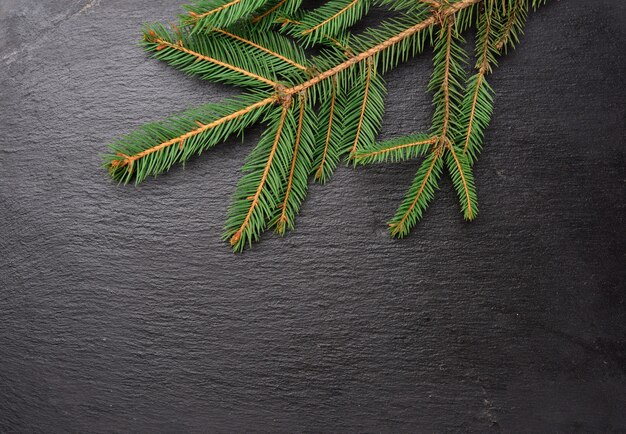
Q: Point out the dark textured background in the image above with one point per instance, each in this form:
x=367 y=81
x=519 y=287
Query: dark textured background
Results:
x=121 y=309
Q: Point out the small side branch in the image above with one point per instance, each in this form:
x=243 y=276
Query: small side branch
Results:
x=163 y=44
x=130 y=159
x=283 y=219
x=262 y=48
x=466 y=192
x=255 y=199
x=268 y=12
x=383 y=153
x=333 y=99
x=213 y=11
x=328 y=20
x=368 y=81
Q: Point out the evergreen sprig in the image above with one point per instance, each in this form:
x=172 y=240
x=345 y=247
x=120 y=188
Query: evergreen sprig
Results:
x=320 y=109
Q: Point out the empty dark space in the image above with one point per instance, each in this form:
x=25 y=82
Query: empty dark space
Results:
x=122 y=310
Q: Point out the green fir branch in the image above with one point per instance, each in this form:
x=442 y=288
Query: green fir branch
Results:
x=156 y=147
x=259 y=192
x=463 y=180
x=512 y=20
x=300 y=168
x=446 y=85
x=329 y=20
x=416 y=200
x=365 y=107
x=318 y=110
x=272 y=12
x=205 y=15
x=477 y=109
x=215 y=59
x=395 y=150
x=477 y=106
x=330 y=143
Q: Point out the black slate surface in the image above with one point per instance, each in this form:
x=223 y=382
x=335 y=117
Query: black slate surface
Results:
x=121 y=309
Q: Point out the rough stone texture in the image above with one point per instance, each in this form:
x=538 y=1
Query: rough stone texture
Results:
x=122 y=310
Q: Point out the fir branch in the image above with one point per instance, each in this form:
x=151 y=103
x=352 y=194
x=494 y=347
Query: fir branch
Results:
x=513 y=24
x=215 y=62
x=268 y=15
x=486 y=39
x=407 y=5
x=137 y=155
x=421 y=192
x=128 y=158
x=395 y=150
x=380 y=47
x=410 y=44
x=325 y=40
x=477 y=110
x=332 y=72
x=263 y=46
x=330 y=143
x=272 y=9
x=210 y=14
x=478 y=102
x=369 y=93
x=258 y=193
x=329 y=19
x=367 y=82
x=301 y=163
x=446 y=84
x=232 y=41
x=463 y=180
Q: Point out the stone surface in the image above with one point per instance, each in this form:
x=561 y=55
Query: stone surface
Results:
x=122 y=310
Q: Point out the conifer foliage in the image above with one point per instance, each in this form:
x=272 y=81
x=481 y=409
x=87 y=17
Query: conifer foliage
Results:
x=321 y=109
